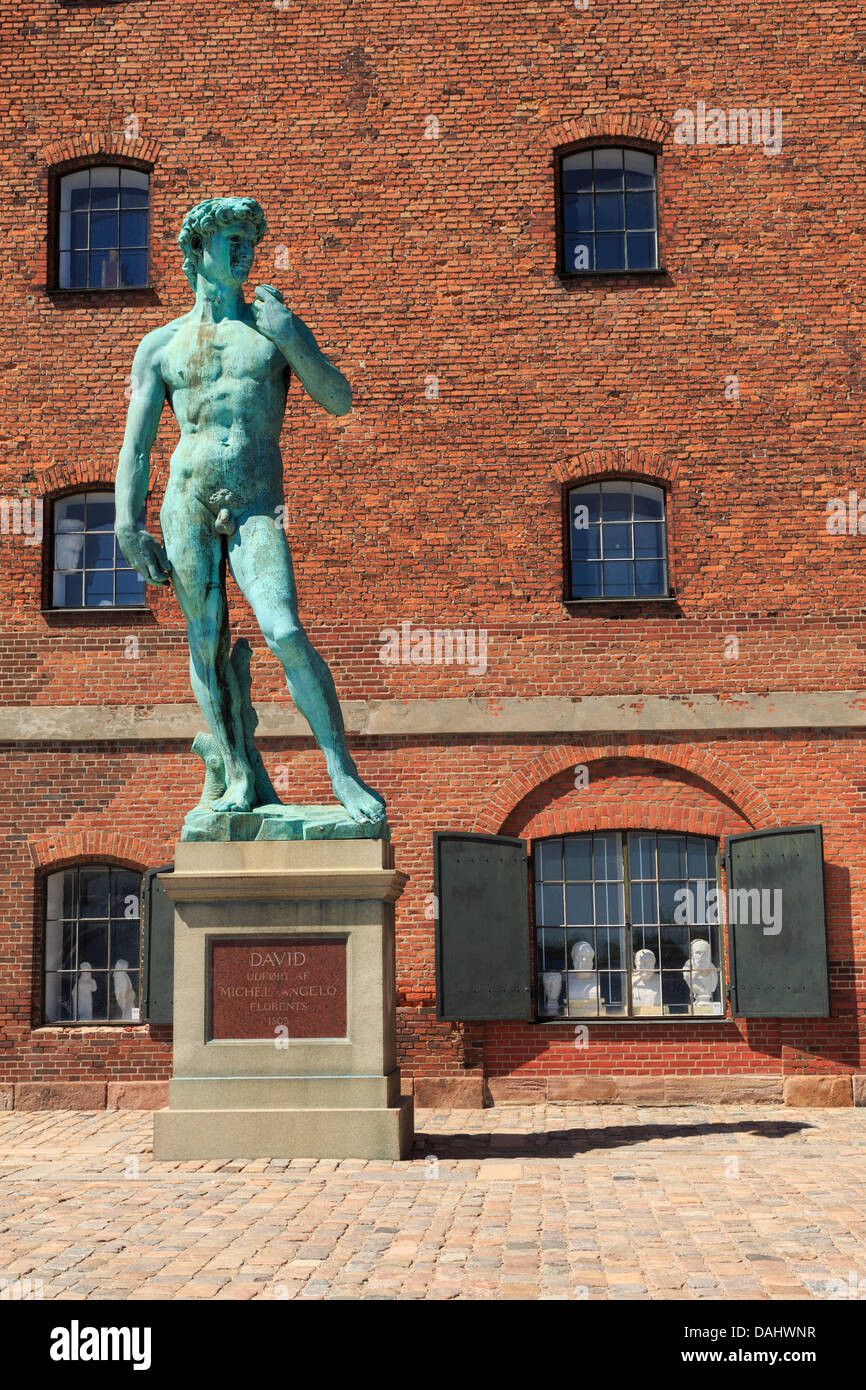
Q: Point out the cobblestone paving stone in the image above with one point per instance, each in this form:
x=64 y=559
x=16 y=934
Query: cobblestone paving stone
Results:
x=538 y=1202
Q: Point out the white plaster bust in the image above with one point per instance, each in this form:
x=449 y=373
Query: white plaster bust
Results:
x=699 y=973
x=124 y=992
x=583 y=984
x=86 y=987
x=551 y=982
x=645 y=981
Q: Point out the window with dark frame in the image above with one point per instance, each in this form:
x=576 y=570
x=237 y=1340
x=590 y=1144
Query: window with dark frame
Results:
x=88 y=567
x=102 y=234
x=617 y=544
x=627 y=926
x=92 y=950
x=609 y=213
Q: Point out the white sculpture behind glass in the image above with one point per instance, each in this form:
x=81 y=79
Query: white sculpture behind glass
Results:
x=124 y=992
x=583 y=985
x=551 y=982
x=701 y=976
x=646 y=988
x=86 y=987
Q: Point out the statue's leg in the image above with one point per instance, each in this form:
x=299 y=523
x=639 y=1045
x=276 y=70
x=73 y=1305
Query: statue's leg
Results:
x=198 y=579
x=262 y=566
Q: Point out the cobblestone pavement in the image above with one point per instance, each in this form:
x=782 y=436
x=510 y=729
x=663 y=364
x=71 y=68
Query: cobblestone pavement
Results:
x=551 y=1202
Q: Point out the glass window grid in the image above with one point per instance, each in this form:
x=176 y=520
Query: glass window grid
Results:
x=593 y=193
x=133 y=198
x=700 y=852
x=75 y=928
x=601 y=490
x=117 y=564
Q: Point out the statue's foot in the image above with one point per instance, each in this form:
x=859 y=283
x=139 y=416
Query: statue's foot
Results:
x=240 y=795
x=363 y=804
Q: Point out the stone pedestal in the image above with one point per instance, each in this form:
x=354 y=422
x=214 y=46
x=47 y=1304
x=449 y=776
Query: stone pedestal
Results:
x=284 y=1003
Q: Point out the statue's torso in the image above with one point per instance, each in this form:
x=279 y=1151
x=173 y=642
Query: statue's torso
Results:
x=227 y=386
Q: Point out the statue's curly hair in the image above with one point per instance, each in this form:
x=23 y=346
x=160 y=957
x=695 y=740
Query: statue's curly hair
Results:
x=215 y=214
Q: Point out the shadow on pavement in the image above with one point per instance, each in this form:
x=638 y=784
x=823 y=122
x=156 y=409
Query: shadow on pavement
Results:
x=565 y=1143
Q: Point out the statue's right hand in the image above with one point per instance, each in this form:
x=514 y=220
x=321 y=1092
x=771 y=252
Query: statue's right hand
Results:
x=144 y=553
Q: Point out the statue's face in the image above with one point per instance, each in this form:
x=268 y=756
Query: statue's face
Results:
x=227 y=255
x=700 y=952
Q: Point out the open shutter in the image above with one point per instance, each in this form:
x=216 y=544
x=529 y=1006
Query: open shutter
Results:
x=157 y=922
x=482 y=927
x=778 y=968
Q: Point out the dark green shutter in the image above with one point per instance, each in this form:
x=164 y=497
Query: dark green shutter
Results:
x=482 y=927
x=157 y=922
x=783 y=975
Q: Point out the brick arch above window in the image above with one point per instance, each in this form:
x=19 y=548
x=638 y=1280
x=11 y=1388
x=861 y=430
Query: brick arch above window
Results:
x=77 y=846
x=599 y=463
x=65 y=477
x=104 y=146
x=618 y=125
x=718 y=776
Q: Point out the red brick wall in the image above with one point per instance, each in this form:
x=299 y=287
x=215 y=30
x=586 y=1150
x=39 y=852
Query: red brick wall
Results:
x=413 y=257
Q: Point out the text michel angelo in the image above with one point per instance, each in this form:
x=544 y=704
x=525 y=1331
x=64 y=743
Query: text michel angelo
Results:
x=277 y=967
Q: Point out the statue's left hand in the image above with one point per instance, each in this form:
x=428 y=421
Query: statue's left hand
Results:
x=272 y=317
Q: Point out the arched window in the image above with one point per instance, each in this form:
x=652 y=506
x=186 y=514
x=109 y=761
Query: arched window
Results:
x=617 y=542
x=103 y=229
x=92 y=952
x=88 y=567
x=627 y=925
x=609 y=215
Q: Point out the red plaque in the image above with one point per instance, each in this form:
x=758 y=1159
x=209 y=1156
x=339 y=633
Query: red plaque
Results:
x=266 y=984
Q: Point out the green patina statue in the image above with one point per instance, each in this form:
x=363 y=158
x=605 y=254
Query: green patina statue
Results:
x=224 y=368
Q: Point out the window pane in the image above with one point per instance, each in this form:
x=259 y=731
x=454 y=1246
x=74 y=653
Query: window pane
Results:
x=68 y=591
x=103 y=230
x=125 y=944
x=65 y=231
x=73 y=270
x=60 y=894
x=124 y=993
x=671 y=906
x=94 y=891
x=75 y=190
x=100 y=511
x=609 y=253
x=99 y=550
x=578 y=857
x=133 y=268
x=549 y=904
x=608 y=856
x=641 y=251
x=616 y=501
x=104 y=267
x=672 y=856
x=648 y=539
x=674 y=947
x=618 y=579
x=616 y=541
x=68 y=552
x=577 y=171
x=640 y=169
x=59 y=945
x=129 y=589
x=586 y=543
x=608 y=212
x=610 y=948
x=578 y=904
x=586 y=581
x=104 y=187
x=99 y=588
x=649 y=578
x=642 y=856
x=701 y=857
x=644 y=905
x=577 y=214
x=125 y=894
x=613 y=991
x=134 y=188
x=551 y=944
x=133 y=229
x=609 y=904
x=93 y=944
x=649 y=502
x=588 y=498
x=579 y=253
x=640 y=211
x=59 y=998
x=548 y=859
x=92 y=994
x=607 y=166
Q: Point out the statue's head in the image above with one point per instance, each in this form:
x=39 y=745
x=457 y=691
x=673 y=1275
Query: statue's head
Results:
x=219 y=238
x=700 y=951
